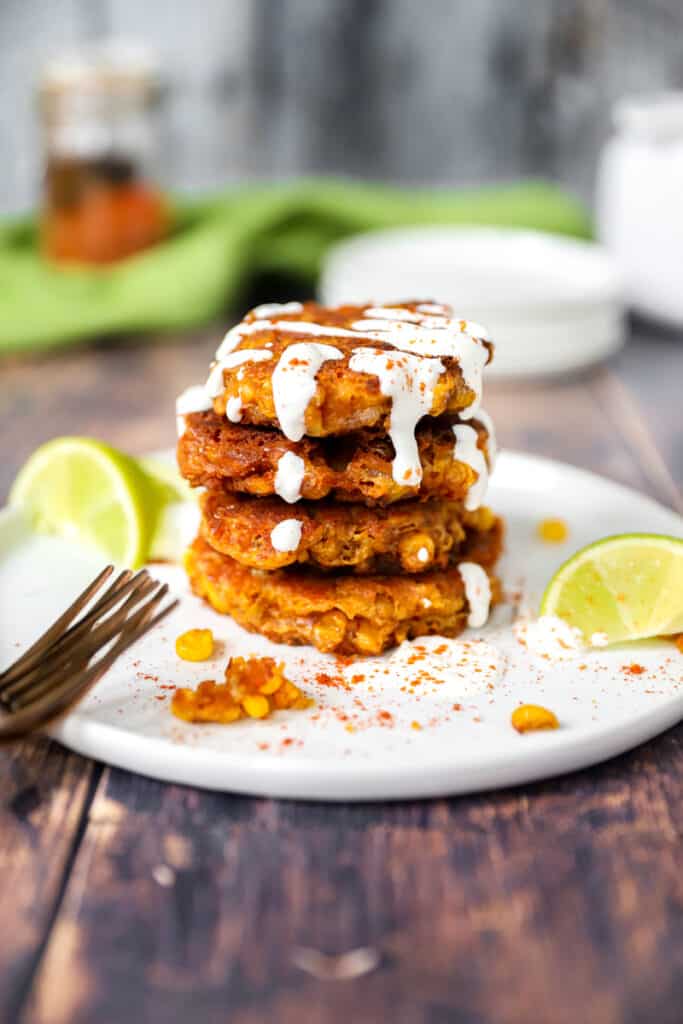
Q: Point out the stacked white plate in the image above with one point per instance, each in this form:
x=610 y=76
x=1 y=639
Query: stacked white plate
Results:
x=552 y=304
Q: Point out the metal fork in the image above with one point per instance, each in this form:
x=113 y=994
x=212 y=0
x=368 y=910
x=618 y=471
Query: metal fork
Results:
x=56 y=671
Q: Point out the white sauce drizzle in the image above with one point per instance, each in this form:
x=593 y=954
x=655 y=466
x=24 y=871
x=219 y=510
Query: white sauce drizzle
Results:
x=377 y=313
x=409 y=381
x=318 y=330
x=286 y=535
x=233 y=409
x=550 y=637
x=236 y=333
x=294 y=384
x=192 y=399
x=214 y=384
x=435 y=309
x=466 y=451
x=477 y=592
x=492 y=444
x=271 y=309
x=289 y=477
x=432 y=336
x=428 y=331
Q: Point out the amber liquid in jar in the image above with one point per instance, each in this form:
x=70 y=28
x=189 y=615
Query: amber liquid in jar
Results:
x=100 y=201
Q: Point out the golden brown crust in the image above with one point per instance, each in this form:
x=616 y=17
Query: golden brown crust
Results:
x=346 y=614
x=411 y=536
x=344 y=400
x=356 y=467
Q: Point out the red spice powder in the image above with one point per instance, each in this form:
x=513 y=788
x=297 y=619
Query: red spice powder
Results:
x=633 y=669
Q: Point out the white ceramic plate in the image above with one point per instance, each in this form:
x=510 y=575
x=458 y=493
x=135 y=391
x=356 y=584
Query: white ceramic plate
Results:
x=603 y=708
x=552 y=303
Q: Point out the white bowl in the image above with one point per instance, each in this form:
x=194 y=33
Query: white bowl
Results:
x=552 y=304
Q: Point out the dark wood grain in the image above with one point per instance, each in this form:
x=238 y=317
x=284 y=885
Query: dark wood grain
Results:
x=45 y=795
x=558 y=902
x=126 y=899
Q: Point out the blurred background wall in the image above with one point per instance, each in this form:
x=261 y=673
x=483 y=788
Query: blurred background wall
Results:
x=435 y=91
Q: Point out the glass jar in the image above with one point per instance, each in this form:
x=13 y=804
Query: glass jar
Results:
x=638 y=204
x=100 y=114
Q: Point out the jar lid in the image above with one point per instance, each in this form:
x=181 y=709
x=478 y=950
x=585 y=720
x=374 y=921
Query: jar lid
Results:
x=110 y=67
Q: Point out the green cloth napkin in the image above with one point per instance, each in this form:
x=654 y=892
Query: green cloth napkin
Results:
x=221 y=245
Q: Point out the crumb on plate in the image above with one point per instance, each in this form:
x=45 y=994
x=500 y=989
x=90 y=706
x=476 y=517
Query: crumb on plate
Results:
x=253 y=688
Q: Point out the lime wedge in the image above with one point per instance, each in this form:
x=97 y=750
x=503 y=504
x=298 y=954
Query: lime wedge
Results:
x=626 y=587
x=88 y=492
x=165 y=471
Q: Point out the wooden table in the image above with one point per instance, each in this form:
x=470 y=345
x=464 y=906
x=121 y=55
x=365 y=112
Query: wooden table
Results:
x=126 y=900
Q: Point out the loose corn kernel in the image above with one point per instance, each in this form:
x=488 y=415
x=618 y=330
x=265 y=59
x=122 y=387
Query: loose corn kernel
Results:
x=553 y=531
x=256 y=706
x=530 y=717
x=194 y=645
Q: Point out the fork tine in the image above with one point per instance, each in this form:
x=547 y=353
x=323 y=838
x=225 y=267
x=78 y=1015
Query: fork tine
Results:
x=44 y=641
x=77 y=656
x=57 y=702
x=31 y=687
x=82 y=632
x=125 y=584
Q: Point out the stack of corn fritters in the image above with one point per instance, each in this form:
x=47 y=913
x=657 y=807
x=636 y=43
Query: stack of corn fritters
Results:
x=344 y=461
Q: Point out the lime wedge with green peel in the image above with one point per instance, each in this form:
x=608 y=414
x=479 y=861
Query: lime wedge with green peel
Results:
x=88 y=492
x=627 y=587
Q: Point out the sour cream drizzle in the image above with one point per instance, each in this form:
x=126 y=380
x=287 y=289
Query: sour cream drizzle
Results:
x=421 y=335
x=492 y=443
x=286 y=535
x=214 y=384
x=289 y=477
x=236 y=333
x=466 y=451
x=409 y=381
x=294 y=384
x=192 y=399
x=477 y=592
x=271 y=309
x=432 y=335
x=233 y=409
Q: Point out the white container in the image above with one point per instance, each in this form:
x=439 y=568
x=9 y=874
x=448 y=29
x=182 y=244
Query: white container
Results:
x=552 y=304
x=639 y=203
